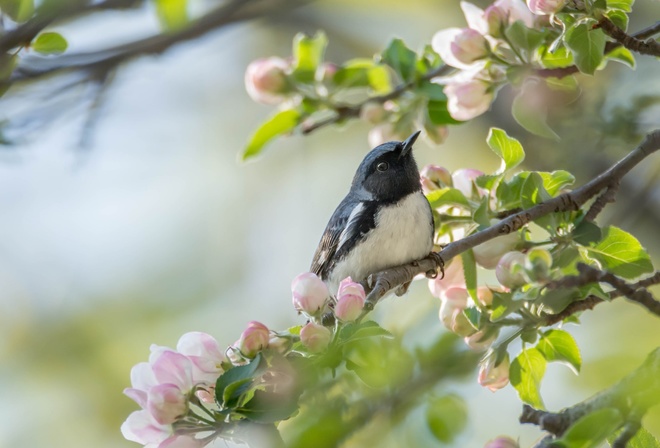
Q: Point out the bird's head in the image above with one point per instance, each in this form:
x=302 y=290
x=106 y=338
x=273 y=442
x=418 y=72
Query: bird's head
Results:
x=388 y=173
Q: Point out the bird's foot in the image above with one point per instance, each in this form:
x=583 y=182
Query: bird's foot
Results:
x=402 y=289
x=439 y=266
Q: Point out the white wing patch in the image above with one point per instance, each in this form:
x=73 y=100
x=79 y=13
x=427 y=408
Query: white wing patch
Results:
x=349 y=230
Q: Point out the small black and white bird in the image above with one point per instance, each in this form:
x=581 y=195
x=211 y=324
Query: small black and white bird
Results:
x=384 y=220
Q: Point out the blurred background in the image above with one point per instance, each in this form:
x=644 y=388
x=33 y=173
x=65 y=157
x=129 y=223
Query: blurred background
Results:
x=126 y=220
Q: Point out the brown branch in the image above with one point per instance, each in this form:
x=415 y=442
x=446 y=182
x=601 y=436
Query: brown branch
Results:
x=343 y=112
x=601 y=201
x=384 y=281
x=649 y=47
x=633 y=395
x=572 y=69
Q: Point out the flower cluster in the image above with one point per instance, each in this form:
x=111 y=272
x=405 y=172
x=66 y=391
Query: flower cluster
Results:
x=483 y=52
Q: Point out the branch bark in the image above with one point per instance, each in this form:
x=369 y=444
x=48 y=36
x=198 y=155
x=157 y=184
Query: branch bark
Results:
x=649 y=47
x=382 y=282
x=632 y=396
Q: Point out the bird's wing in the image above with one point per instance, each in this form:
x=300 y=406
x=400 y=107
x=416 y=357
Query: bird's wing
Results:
x=348 y=224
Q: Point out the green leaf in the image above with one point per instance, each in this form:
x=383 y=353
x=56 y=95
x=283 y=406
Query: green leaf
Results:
x=559 y=58
x=533 y=192
x=622 y=55
x=439 y=114
x=363 y=73
x=401 y=58
x=236 y=377
x=592 y=429
x=470 y=272
x=526 y=373
x=232 y=393
x=624 y=5
x=532 y=118
x=621 y=254
x=447 y=196
x=17 y=10
x=643 y=439
x=586 y=233
x=446 y=417
x=587 y=46
x=619 y=18
x=432 y=90
x=480 y=215
x=50 y=43
x=280 y=123
x=172 y=14
x=556 y=181
x=507 y=148
x=558 y=345
x=308 y=54
x=524 y=38
x=554 y=301
x=269 y=407
x=367 y=329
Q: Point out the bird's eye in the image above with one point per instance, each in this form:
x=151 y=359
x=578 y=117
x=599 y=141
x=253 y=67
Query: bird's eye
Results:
x=382 y=166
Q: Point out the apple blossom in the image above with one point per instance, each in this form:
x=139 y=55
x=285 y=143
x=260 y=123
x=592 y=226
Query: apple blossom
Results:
x=502 y=442
x=434 y=177
x=468 y=99
x=454 y=276
x=350 y=300
x=463 y=181
x=177 y=441
x=493 y=376
x=315 y=337
x=509 y=270
x=482 y=339
x=310 y=294
x=454 y=302
x=488 y=253
x=166 y=403
x=545 y=7
x=495 y=19
x=265 y=80
x=253 y=339
x=475 y=17
x=485 y=295
x=516 y=10
x=205 y=354
x=460 y=47
x=141 y=427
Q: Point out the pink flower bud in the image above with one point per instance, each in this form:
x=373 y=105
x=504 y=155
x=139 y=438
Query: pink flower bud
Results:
x=310 y=294
x=350 y=300
x=166 y=403
x=435 y=177
x=545 y=7
x=373 y=113
x=509 y=270
x=253 y=339
x=492 y=376
x=488 y=254
x=495 y=19
x=502 y=442
x=315 y=337
x=280 y=345
x=468 y=99
x=454 y=301
x=482 y=339
x=460 y=47
x=265 y=80
x=463 y=181
x=454 y=276
x=485 y=295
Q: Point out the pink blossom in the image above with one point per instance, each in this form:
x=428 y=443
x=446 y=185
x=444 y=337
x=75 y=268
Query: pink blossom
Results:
x=265 y=80
x=142 y=379
x=205 y=354
x=253 y=339
x=482 y=339
x=434 y=177
x=454 y=302
x=516 y=10
x=350 y=300
x=502 y=442
x=279 y=344
x=315 y=337
x=509 y=270
x=460 y=47
x=495 y=19
x=141 y=427
x=177 y=441
x=166 y=403
x=545 y=7
x=488 y=254
x=454 y=276
x=475 y=17
x=468 y=99
x=485 y=295
x=492 y=376
x=310 y=294
x=463 y=181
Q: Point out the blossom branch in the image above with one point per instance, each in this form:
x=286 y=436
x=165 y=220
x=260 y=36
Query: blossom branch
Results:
x=384 y=281
x=632 y=396
x=343 y=111
x=648 y=47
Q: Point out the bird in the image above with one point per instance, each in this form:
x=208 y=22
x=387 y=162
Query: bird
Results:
x=384 y=221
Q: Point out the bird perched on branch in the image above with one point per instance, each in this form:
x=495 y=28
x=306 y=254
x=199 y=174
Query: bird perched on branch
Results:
x=384 y=221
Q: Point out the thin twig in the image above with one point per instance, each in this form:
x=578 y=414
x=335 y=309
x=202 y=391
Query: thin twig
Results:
x=649 y=47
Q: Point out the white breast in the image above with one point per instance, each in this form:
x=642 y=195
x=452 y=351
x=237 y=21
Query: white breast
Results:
x=403 y=234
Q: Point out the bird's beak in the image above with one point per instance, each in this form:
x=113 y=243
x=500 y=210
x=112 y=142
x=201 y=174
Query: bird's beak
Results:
x=407 y=145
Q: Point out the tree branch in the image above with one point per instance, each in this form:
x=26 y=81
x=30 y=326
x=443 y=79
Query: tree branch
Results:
x=648 y=47
x=632 y=396
x=382 y=282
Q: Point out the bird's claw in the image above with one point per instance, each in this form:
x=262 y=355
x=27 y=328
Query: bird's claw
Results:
x=440 y=266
